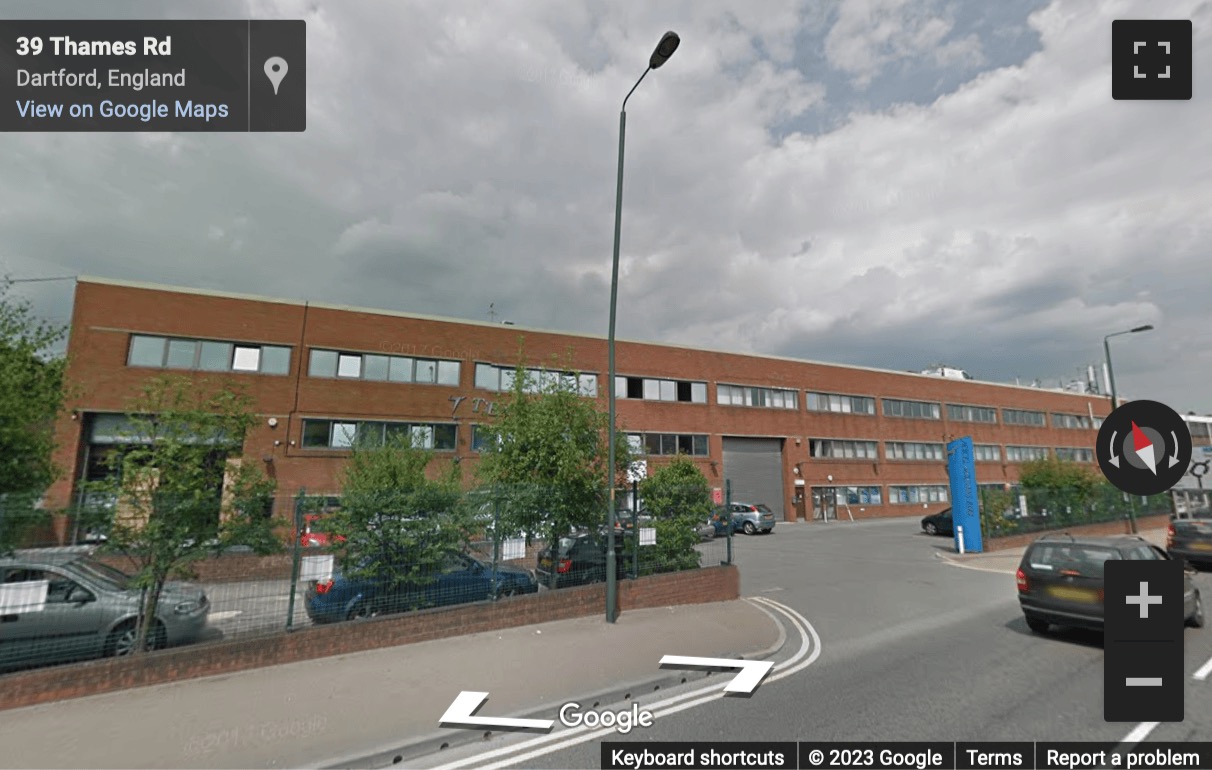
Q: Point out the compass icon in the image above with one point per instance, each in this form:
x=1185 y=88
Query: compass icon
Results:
x=1144 y=447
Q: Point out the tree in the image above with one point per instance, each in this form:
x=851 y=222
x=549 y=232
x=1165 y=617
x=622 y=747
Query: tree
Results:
x=546 y=458
x=395 y=525
x=679 y=498
x=31 y=397
x=1062 y=487
x=179 y=492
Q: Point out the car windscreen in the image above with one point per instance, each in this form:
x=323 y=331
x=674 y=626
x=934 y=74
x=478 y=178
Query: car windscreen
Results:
x=102 y=572
x=1071 y=559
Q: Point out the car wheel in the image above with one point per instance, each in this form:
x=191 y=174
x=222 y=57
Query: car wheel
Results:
x=121 y=640
x=1197 y=618
x=361 y=611
x=1037 y=625
x=749 y=528
x=930 y=528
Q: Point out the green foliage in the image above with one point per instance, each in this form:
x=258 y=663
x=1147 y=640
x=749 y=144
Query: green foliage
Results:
x=396 y=523
x=997 y=511
x=679 y=498
x=31 y=396
x=547 y=459
x=1056 y=476
x=166 y=507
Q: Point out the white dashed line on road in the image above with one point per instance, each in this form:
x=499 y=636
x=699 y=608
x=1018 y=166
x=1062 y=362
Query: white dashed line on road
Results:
x=1204 y=672
x=225 y=615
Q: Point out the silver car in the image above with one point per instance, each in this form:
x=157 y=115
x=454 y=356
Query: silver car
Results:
x=89 y=610
x=752 y=518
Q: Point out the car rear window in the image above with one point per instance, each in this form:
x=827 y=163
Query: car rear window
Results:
x=762 y=507
x=1071 y=558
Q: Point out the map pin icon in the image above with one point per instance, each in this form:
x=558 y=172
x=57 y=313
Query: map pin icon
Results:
x=275 y=70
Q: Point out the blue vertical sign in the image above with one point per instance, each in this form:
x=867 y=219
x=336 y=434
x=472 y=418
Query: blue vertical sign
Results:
x=965 y=498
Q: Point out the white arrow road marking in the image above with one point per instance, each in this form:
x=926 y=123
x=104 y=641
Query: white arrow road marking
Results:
x=752 y=671
x=465 y=704
x=1204 y=672
x=1114 y=457
x=547 y=744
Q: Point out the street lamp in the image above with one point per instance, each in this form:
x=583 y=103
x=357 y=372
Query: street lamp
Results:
x=1115 y=400
x=1107 y=350
x=664 y=49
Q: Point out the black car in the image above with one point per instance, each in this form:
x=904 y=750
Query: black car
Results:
x=1190 y=539
x=1061 y=578
x=580 y=560
x=938 y=523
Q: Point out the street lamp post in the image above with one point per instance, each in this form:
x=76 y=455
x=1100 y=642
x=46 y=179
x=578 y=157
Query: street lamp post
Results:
x=664 y=49
x=1115 y=399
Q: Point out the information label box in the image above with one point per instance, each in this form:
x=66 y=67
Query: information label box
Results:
x=106 y=76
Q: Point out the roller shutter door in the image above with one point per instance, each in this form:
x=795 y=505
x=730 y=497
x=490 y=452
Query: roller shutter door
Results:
x=755 y=468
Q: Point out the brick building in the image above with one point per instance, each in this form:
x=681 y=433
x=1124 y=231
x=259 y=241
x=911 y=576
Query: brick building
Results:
x=808 y=439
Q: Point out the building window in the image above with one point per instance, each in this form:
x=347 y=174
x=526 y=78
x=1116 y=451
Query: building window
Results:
x=1022 y=454
x=903 y=450
x=965 y=413
x=500 y=379
x=1023 y=417
x=928 y=493
x=344 y=434
x=481 y=437
x=383 y=368
x=1075 y=454
x=1074 y=421
x=653 y=389
x=744 y=395
x=918 y=410
x=863 y=496
x=664 y=444
x=842 y=449
x=836 y=402
x=207 y=355
x=987 y=453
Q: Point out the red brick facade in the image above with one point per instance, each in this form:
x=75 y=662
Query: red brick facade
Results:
x=107 y=313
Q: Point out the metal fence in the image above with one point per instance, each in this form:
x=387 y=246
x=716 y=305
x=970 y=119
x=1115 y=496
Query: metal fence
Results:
x=341 y=559
x=1037 y=510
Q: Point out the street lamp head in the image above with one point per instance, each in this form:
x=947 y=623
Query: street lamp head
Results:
x=669 y=43
x=1145 y=328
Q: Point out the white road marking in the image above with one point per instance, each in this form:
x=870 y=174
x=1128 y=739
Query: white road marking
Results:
x=225 y=615
x=1204 y=671
x=962 y=565
x=578 y=735
x=1140 y=732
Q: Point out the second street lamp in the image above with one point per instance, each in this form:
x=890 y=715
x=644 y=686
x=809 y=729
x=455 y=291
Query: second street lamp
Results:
x=1115 y=399
x=664 y=49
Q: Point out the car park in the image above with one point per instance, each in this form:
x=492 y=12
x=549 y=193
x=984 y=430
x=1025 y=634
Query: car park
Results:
x=90 y=609
x=580 y=559
x=460 y=579
x=939 y=523
x=1061 y=579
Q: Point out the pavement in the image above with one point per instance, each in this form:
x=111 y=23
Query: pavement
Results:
x=387 y=701
x=1007 y=560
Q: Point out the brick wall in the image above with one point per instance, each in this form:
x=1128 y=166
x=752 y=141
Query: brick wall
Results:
x=1106 y=528
x=228 y=568
x=46 y=685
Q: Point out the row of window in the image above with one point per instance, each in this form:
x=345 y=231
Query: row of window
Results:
x=219 y=356
x=847 y=449
x=898 y=494
x=344 y=434
x=692 y=444
x=207 y=355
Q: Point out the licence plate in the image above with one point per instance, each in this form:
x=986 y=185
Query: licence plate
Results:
x=1201 y=546
x=1073 y=594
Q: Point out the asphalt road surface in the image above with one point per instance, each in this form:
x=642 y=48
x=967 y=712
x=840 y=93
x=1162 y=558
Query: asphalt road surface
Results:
x=912 y=648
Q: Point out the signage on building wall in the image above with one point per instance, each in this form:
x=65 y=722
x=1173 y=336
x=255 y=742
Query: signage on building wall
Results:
x=717 y=495
x=478 y=405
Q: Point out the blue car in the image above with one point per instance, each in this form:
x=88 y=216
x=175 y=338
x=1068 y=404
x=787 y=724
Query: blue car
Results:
x=460 y=579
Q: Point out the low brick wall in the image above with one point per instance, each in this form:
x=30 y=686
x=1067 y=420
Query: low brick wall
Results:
x=1143 y=523
x=28 y=688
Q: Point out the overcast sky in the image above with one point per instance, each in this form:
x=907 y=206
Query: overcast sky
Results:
x=891 y=183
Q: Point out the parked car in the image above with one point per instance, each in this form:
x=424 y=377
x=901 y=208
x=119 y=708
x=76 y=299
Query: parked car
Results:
x=1190 y=539
x=461 y=579
x=1061 y=579
x=315 y=534
x=938 y=523
x=89 y=612
x=749 y=518
x=580 y=560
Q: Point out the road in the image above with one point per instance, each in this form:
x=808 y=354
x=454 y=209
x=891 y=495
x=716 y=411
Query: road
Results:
x=912 y=648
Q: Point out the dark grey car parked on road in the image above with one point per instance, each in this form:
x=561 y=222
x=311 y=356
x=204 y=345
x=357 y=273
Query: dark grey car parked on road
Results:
x=89 y=611
x=1061 y=579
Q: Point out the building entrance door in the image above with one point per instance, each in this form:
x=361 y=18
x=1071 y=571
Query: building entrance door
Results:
x=824 y=503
